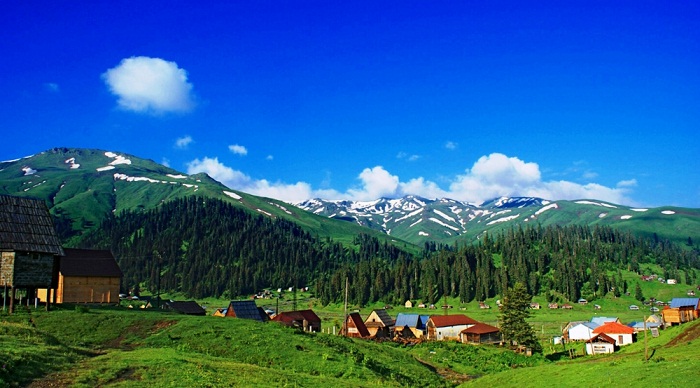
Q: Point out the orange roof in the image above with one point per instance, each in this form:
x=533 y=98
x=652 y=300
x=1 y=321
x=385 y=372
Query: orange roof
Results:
x=452 y=320
x=613 y=328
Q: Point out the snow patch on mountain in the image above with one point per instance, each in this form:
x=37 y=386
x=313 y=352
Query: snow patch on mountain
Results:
x=106 y=168
x=504 y=219
x=625 y=217
x=28 y=170
x=118 y=159
x=443 y=215
x=439 y=222
x=545 y=208
x=422 y=233
x=72 y=163
x=668 y=212
x=639 y=210
x=596 y=203
x=232 y=194
x=177 y=176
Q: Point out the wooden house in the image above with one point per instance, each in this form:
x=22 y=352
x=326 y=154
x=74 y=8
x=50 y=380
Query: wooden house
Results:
x=188 y=307
x=600 y=344
x=408 y=304
x=354 y=327
x=86 y=276
x=29 y=247
x=246 y=309
x=379 y=323
x=410 y=325
x=481 y=333
x=306 y=320
x=448 y=327
x=553 y=305
x=623 y=335
x=681 y=310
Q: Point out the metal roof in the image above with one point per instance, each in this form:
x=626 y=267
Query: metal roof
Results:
x=682 y=302
x=246 y=309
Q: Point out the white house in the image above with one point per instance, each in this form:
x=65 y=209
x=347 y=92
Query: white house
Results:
x=623 y=335
x=582 y=332
x=600 y=344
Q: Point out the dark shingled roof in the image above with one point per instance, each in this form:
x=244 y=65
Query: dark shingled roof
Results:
x=247 y=309
x=26 y=225
x=188 y=307
x=89 y=262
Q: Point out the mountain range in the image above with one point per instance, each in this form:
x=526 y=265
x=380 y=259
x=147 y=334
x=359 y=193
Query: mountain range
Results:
x=83 y=187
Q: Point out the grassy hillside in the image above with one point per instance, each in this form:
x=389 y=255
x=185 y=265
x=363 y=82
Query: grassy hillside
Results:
x=110 y=346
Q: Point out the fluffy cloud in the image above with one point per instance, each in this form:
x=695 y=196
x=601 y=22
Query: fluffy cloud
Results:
x=238 y=149
x=150 y=85
x=450 y=145
x=491 y=176
x=183 y=142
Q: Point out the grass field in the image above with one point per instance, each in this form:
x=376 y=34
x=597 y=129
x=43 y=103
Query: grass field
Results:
x=113 y=346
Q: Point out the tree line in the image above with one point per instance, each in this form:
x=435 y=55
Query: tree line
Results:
x=204 y=247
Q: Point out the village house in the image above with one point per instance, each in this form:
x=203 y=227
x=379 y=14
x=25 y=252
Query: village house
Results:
x=246 y=309
x=86 y=276
x=601 y=320
x=354 y=327
x=481 y=333
x=408 y=304
x=681 y=310
x=600 y=344
x=623 y=335
x=188 y=307
x=582 y=331
x=29 y=248
x=448 y=327
x=410 y=325
x=306 y=320
x=379 y=323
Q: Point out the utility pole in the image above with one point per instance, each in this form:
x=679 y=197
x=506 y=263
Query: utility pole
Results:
x=345 y=321
x=646 y=345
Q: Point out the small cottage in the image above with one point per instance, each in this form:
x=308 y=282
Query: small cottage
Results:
x=481 y=333
x=582 y=331
x=306 y=320
x=379 y=323
x=188 y=307
x=408 y=304
x=600 y=344
x=410 y=325
x=681 y=310
x=29 y=247
x=354 y=327
x=86 y=276
x=448 y=327
x=623 y=335
x=246 y=309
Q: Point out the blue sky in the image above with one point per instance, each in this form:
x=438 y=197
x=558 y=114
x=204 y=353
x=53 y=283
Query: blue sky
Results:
x=463 y=99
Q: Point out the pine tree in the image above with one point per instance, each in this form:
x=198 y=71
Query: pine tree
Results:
x=513 y=318
x=638 y=293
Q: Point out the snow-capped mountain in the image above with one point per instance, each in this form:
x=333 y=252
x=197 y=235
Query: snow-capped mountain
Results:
x=414 y=218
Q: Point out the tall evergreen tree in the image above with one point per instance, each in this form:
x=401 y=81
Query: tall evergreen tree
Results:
x=513 y=318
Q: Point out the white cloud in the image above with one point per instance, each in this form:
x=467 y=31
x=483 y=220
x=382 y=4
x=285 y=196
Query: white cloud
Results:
x=450 y=145
x=269 y=157
x=238 y=149
x=183 y=142
x=491 y=176
x=150 y=85
x=165 y=162
x=627 y=183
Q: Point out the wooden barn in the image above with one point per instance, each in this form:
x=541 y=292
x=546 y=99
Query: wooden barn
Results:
x=681 y=310
x=354 y=327
x=86 y=276
x=246 y=309
x=29 y=247
x=481 y=333
x=379 y=323
x=306 y=320
x=188 y=307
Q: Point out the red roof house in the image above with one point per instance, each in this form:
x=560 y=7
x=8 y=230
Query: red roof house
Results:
x=623 y=335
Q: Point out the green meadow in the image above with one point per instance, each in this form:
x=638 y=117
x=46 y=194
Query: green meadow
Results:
x=112 y=346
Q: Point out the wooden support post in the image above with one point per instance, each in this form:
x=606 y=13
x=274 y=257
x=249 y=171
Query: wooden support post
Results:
x=12 y=299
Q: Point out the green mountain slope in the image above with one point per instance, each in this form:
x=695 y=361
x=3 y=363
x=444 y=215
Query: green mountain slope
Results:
x=83 y=187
